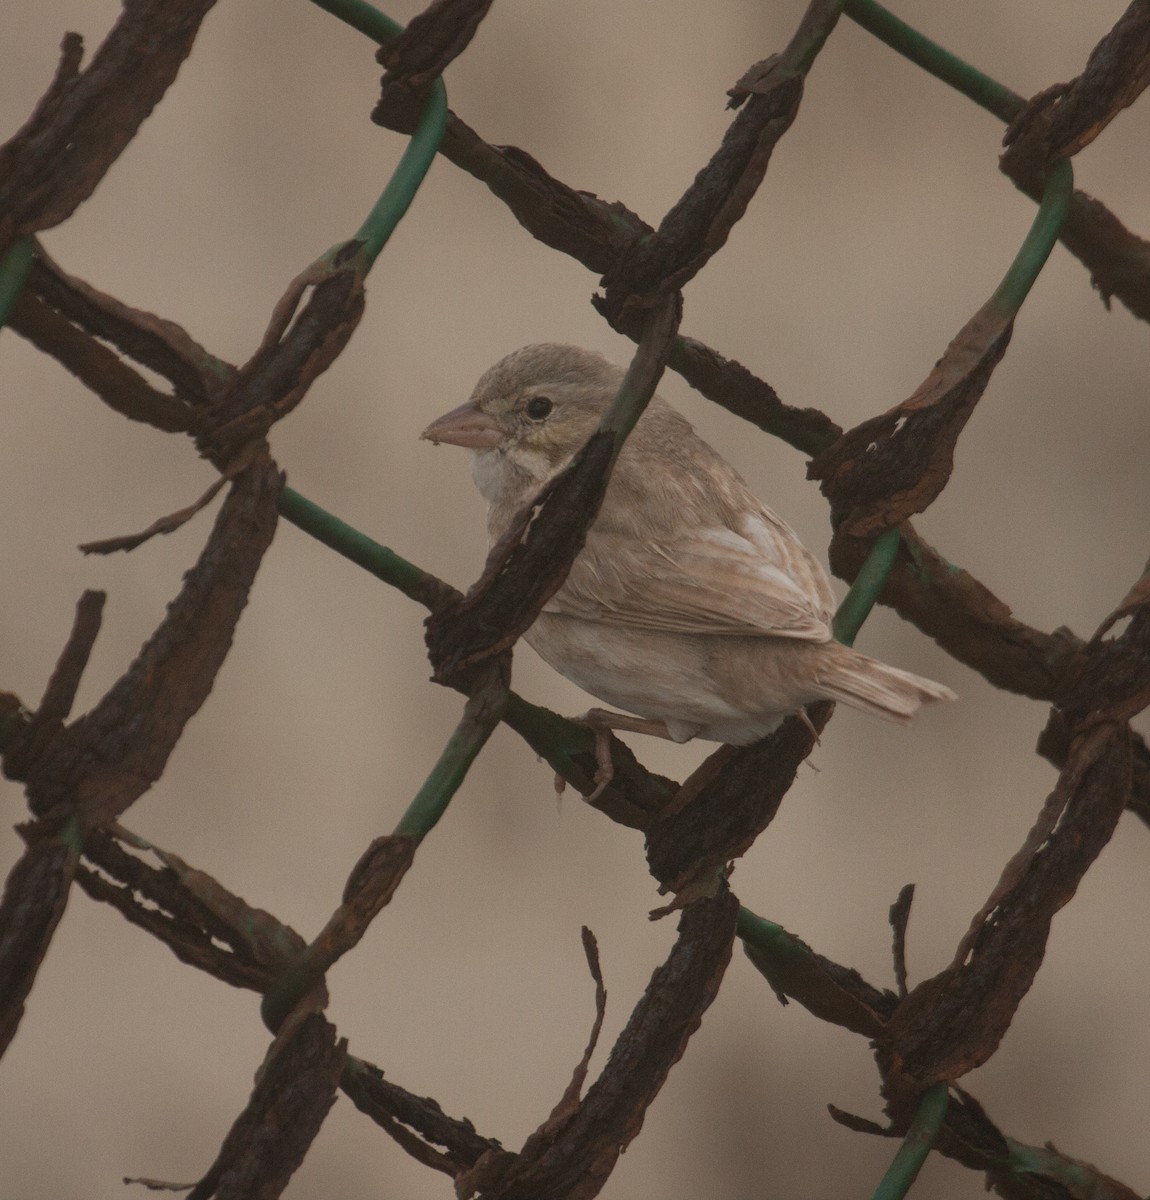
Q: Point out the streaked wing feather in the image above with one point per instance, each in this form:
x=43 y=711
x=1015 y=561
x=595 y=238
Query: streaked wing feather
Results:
x=712 y=581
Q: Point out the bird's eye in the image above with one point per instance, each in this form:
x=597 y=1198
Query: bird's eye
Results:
x=538 y=408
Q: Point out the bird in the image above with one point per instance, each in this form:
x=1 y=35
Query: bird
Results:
x=691 y=606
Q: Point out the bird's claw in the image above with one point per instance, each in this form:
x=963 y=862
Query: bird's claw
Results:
x=601 y=721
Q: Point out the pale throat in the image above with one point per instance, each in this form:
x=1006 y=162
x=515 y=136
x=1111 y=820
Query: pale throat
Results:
x=518 y=474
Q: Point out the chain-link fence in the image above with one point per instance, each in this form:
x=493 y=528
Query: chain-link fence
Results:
x=471 y=987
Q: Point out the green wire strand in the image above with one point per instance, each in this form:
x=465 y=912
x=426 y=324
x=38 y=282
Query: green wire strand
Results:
x=405 y=181
x=13 y=272
x=867 y=587
x=346 y=540
x=916 y=1145
x=899 y=36
x=421 y=148
x=1045 y=230
x=769 y=937
x=364 y=17
x=480 y=717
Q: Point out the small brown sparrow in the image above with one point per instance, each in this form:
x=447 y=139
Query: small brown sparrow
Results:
x=691 y=604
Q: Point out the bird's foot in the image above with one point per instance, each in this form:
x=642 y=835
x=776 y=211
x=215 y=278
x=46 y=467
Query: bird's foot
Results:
x=601 y=722
x=801 y=713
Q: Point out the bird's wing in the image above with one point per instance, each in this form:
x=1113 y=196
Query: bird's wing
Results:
x=706 y=580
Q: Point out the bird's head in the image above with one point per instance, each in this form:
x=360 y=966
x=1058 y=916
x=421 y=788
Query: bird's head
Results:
x=529 y=414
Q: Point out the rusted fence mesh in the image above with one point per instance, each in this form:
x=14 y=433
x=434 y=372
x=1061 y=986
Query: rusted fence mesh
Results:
x=82 y=774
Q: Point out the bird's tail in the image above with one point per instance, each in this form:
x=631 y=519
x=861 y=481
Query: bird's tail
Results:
x=872 y=686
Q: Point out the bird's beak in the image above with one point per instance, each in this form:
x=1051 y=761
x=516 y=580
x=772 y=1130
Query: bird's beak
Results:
x=465 y=426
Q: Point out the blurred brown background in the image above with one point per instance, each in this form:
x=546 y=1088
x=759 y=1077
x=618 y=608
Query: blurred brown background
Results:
x=882 y=225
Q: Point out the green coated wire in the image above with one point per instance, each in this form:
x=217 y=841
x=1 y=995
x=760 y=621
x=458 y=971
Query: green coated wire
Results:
x=13 y=272
x=1045 y=230
x=767 y=936
x=916 y=1145
x=480 y=716
x=364 y=17
x=421 y=147
x=899 y=36
x=346 y=540
x=867 y=587
x=417 y=158
x=1075 y=1178
x=445 y=778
